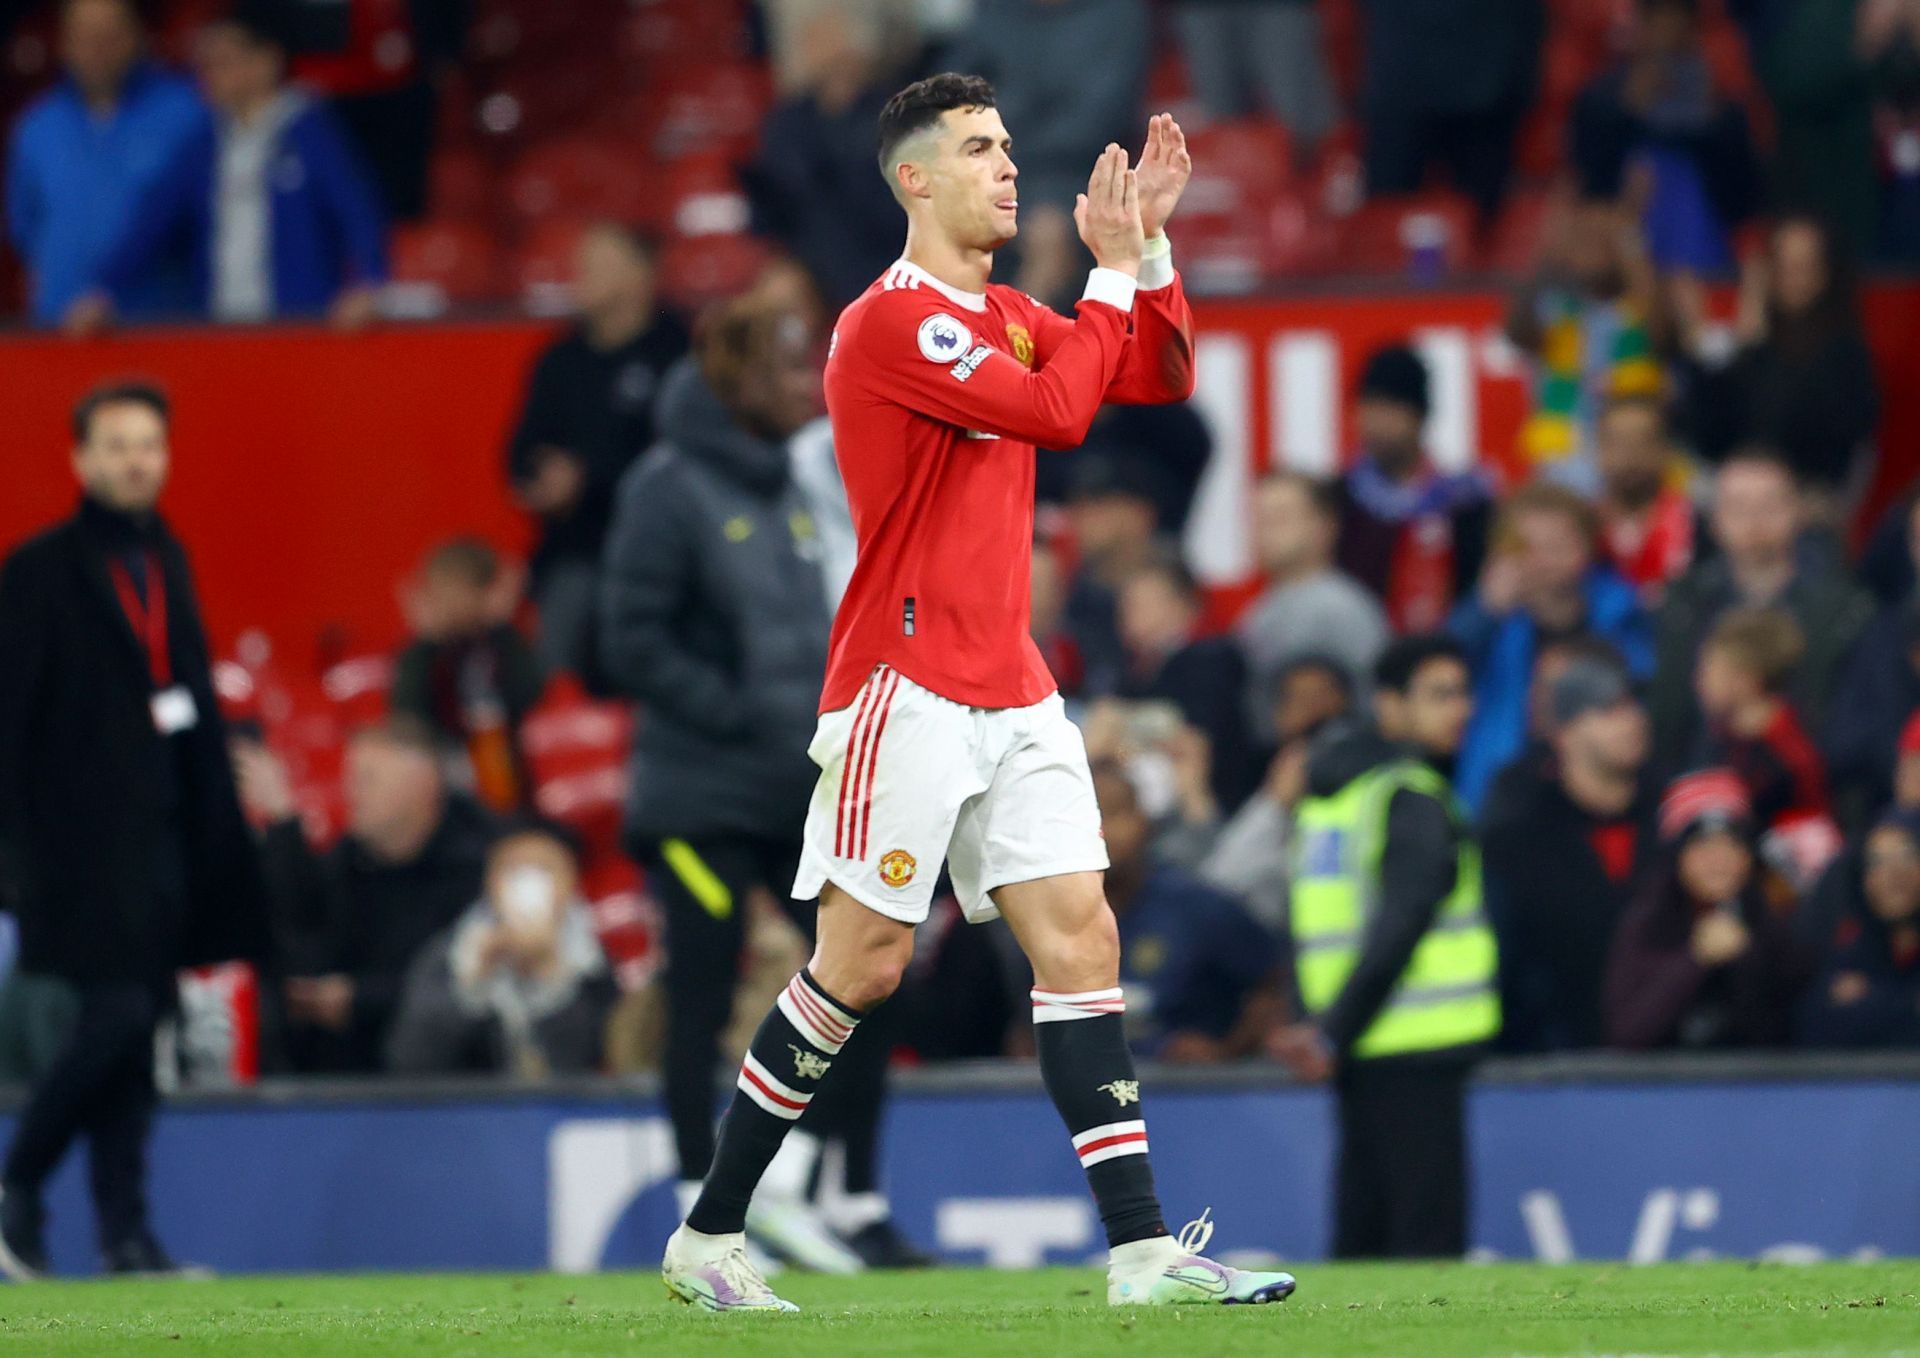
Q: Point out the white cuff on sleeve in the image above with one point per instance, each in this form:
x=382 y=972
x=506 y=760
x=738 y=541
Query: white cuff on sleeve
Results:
x=1156 y=263
x=1110 y=286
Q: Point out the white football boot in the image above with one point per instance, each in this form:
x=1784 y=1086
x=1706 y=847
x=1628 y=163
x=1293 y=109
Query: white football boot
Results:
x=1169 y=1271
x=714 y=1273
x=794 y=1230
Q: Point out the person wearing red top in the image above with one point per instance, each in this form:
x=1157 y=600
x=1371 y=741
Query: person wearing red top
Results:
x=1648 y=526
x=941 y=735
x=1746 y=664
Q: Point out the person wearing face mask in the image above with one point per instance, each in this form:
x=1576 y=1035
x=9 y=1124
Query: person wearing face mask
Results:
x=123 y=853
x=1868 y=993
x=518 y=985
x=713 y=617
x=1699 y=961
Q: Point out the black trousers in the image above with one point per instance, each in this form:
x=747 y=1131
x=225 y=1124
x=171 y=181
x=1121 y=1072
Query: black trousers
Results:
x=100 y=1085
x=706 y=941
x=1401 y=1188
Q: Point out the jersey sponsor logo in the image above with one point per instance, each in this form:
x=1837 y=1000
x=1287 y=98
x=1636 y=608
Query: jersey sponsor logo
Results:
x=975 y=357
x=833 y=342
x=943 y=339
x=1021 y=339
x=897 y=868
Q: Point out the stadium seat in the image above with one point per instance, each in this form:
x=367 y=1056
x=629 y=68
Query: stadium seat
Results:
x=581 y=177
x=1237 y=166
x=438 y=265
x=709 y=109
x=543 y=266
x=660 y=37
x=1520 y=234
x=706 y=268
x=1422 y=237
x=701 y=196
x=358 y=687
x=463 y=185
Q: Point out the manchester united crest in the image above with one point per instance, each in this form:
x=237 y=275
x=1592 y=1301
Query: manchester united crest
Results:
x=896 y=867
x=1022 y=341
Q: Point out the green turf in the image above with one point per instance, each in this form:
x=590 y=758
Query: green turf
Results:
x=1409 y=1312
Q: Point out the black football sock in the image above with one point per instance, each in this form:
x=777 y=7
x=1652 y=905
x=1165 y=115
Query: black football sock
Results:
x=1089 y=1075
x=789 y=1057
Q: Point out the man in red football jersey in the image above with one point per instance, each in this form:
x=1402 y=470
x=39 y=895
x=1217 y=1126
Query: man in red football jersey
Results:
x=941 y=736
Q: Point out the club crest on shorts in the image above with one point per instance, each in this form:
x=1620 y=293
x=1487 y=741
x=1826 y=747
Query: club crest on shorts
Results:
x=1124 y=1091
x=943 y=339
x=896 y=867
x=1022 y=341
x=806 y=1065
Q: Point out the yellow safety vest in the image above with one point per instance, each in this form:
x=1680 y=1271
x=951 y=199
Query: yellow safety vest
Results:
x=1448 y=996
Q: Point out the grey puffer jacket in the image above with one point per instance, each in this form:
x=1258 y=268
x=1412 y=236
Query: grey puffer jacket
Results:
x=713 y=616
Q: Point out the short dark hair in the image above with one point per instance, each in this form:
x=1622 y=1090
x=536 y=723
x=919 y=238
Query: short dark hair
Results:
x=1634 y=400
x=1167 y=566
x=471 y=559
x=260 y=23
x=919 y=106
x=1315 y=662
x=1406 y=656
x=1322 y=493
x=119 y=392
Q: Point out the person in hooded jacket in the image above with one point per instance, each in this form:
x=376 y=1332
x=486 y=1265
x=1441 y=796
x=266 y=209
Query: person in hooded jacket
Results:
x=713 y=616
x=1868 y=992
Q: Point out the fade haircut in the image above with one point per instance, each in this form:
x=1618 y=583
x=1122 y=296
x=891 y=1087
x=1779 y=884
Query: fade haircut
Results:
x=917 y=109
x=125 y=392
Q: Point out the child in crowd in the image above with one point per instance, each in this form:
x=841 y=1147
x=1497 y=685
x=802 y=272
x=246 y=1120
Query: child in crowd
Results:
x=1745 y=668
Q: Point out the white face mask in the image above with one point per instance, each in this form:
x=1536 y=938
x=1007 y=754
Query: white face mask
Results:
x=528 y=896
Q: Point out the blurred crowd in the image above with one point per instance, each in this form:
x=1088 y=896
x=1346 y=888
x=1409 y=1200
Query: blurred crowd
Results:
x=255 y=159
x=1692 y=756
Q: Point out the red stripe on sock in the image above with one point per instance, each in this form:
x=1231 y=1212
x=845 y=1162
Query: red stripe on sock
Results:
x=864 y=816
x=849 y=771
x=782 y=1100
x=817 y=1012
x=1104 y=1142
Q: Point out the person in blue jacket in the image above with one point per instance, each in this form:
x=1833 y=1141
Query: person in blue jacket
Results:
x=279 y=215
x=87 y=154
x=1542 y=584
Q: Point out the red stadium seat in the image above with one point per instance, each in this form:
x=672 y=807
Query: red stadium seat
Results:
x=1423 y=236
x=543 y=266
x=701 y=196
x=1237 y=166
x=660 y=37
x=438 y=264
x=710 y=109
x=581 y=177
x=707 y=268
x=1520 y=234
x=463 y=185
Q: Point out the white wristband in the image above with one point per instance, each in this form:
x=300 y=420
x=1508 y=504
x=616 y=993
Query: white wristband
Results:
x=1156 y=263
x=1110 y=286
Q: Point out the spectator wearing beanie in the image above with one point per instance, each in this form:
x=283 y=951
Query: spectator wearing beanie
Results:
x=1568 y=838
x=1409 y=532
x=1699 y=961
x=1868 y=992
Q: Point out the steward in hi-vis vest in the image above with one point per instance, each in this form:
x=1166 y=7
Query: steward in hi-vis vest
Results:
x=1396 y=967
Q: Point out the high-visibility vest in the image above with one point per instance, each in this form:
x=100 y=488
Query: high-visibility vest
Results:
x=1448 y=995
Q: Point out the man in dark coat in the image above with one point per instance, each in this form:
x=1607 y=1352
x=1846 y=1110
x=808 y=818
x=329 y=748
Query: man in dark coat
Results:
x=713 y=615
x=122 y=847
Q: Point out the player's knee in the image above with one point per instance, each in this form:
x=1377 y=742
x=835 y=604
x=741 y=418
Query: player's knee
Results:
x=1084 y=954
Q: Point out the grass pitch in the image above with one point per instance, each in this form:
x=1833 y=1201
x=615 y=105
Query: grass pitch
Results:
x=1442 y=1311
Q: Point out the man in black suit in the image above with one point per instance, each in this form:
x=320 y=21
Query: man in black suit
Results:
x=122 y=847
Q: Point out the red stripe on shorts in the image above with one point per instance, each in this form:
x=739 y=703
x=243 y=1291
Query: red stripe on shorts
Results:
x=848 y=769
x=864 y=816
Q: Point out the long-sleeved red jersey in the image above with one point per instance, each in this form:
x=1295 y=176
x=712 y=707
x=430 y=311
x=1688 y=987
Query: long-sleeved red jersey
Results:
x=938 y=398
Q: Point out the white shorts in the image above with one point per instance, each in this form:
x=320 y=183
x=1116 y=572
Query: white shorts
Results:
x=909 y=780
